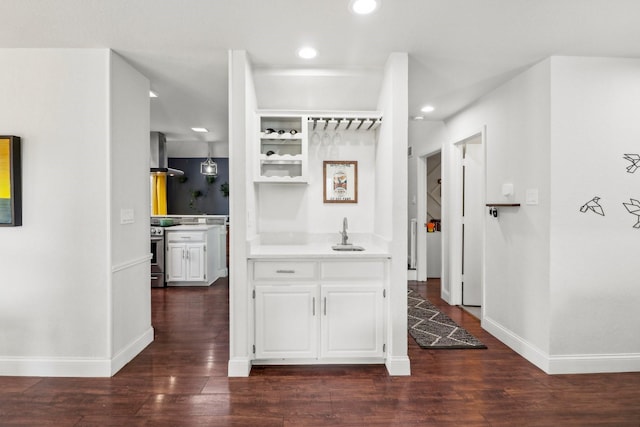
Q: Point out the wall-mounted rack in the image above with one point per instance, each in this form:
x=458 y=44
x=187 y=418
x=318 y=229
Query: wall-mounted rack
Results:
x=339 y=123
x=493 y=207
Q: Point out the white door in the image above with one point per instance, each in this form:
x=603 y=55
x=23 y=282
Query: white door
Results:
x=352 y=321
x=286 y=321
x=472 y=219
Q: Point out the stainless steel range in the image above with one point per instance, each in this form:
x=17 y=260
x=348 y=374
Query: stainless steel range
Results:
x=157 y=257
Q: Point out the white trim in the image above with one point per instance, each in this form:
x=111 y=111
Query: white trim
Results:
x=127 y=354
x=594 y=363
x=130 y=263
x=239 y=367
x=563 y=364
x=398 y=366
x=73 y=366
x=54 y=367
x=524 y=348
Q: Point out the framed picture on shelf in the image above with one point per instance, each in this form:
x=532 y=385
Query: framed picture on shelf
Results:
x=340 y=181
x=10 y=182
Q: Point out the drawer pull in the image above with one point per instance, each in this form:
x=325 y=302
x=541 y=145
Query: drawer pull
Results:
x=286 y=271
x=314 y=306
x=325 y=306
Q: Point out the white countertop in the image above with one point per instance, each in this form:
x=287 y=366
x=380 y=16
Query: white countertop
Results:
x=191 y=227
x=316 y=247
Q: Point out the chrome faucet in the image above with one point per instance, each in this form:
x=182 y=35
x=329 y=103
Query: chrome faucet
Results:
x=343 y=233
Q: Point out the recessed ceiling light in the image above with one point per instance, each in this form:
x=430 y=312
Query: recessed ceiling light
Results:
x=152 y=94
x=307 y=52
x=418 y=117
x=364 y=7
x=427 y=109
x=199 y=129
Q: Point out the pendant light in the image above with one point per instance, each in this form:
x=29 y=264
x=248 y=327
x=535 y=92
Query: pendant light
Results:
x=209 y=167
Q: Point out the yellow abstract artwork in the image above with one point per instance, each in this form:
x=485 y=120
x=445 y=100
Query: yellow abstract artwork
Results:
x=10 y=213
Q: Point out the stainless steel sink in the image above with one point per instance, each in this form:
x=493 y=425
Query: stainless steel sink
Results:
x=347 y=248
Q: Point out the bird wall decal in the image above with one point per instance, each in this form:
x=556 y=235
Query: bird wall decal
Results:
x=635 y=162
x=593 y=205
x=634 y=209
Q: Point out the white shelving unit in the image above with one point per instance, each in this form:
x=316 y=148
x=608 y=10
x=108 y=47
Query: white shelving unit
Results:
x=282 y=148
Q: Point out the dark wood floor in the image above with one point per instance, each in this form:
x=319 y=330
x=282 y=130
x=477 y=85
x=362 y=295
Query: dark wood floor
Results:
x=181 y=380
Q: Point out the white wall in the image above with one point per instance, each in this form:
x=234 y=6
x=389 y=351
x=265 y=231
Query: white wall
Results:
x=129 y=184
x=595 y=287
x=516 y=275
x=391 y=202
x=56 y=271
x=346 y=89
x=197 y=149
x=300 y=208
x=560 y=284
x=242 y=208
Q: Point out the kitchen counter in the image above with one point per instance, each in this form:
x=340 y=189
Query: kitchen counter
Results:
x=192 y=227
x=315 y=247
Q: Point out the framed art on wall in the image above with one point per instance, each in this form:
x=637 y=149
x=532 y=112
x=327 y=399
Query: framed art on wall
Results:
x=340 y=181
x=10 y=182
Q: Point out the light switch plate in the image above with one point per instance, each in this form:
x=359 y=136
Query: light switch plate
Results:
x=127 y=216
x=507 y=189
x=531 y=196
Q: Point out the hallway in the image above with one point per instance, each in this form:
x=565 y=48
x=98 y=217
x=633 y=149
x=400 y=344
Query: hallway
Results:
x=180 y=380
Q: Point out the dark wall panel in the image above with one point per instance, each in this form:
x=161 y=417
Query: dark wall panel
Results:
x=181 y=191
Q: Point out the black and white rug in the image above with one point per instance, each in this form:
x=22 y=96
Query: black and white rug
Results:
x=433 y=329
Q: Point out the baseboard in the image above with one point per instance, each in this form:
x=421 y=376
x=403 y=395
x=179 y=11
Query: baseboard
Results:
x=594 y=363
x=564 y=364
x=54 y=367
x=398 y=366
x=132 y=350
x=73 y=366
x=524 y=348
x=239 y=368
x=412 y=274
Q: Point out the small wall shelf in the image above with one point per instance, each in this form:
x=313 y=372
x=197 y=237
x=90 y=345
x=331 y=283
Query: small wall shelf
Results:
x=494 y=207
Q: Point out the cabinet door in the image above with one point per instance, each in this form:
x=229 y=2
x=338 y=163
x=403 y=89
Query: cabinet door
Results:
x=352 y=321
x=286 y=321
x=175 y=262
x=196 y=265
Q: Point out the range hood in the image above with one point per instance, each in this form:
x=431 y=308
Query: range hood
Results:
x=158 y=161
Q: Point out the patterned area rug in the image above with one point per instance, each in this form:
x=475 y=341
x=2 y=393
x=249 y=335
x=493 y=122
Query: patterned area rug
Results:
x=433 y=329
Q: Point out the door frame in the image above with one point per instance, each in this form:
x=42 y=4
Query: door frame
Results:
x=454 y=231
x=421 y=213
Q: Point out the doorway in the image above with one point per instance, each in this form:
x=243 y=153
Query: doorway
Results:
x=472 y=216
x=465 y=237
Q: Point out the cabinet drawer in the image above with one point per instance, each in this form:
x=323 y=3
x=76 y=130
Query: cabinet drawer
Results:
x=186 y=236
x=338 y=270
x=266 y=270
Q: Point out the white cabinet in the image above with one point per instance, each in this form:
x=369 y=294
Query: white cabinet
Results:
x=286 y=321
x=186 y=262
x=281 y=148
x=352 y=321
x=192 y=257
x=309 y=312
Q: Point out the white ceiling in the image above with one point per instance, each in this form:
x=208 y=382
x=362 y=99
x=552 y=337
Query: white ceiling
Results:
x=458 y=49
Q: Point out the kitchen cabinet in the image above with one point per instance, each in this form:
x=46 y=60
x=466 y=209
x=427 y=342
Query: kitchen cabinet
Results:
x=286 y=321
x=307 y=311
x=193 y=255
x=186 y=262
x=281 y=148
